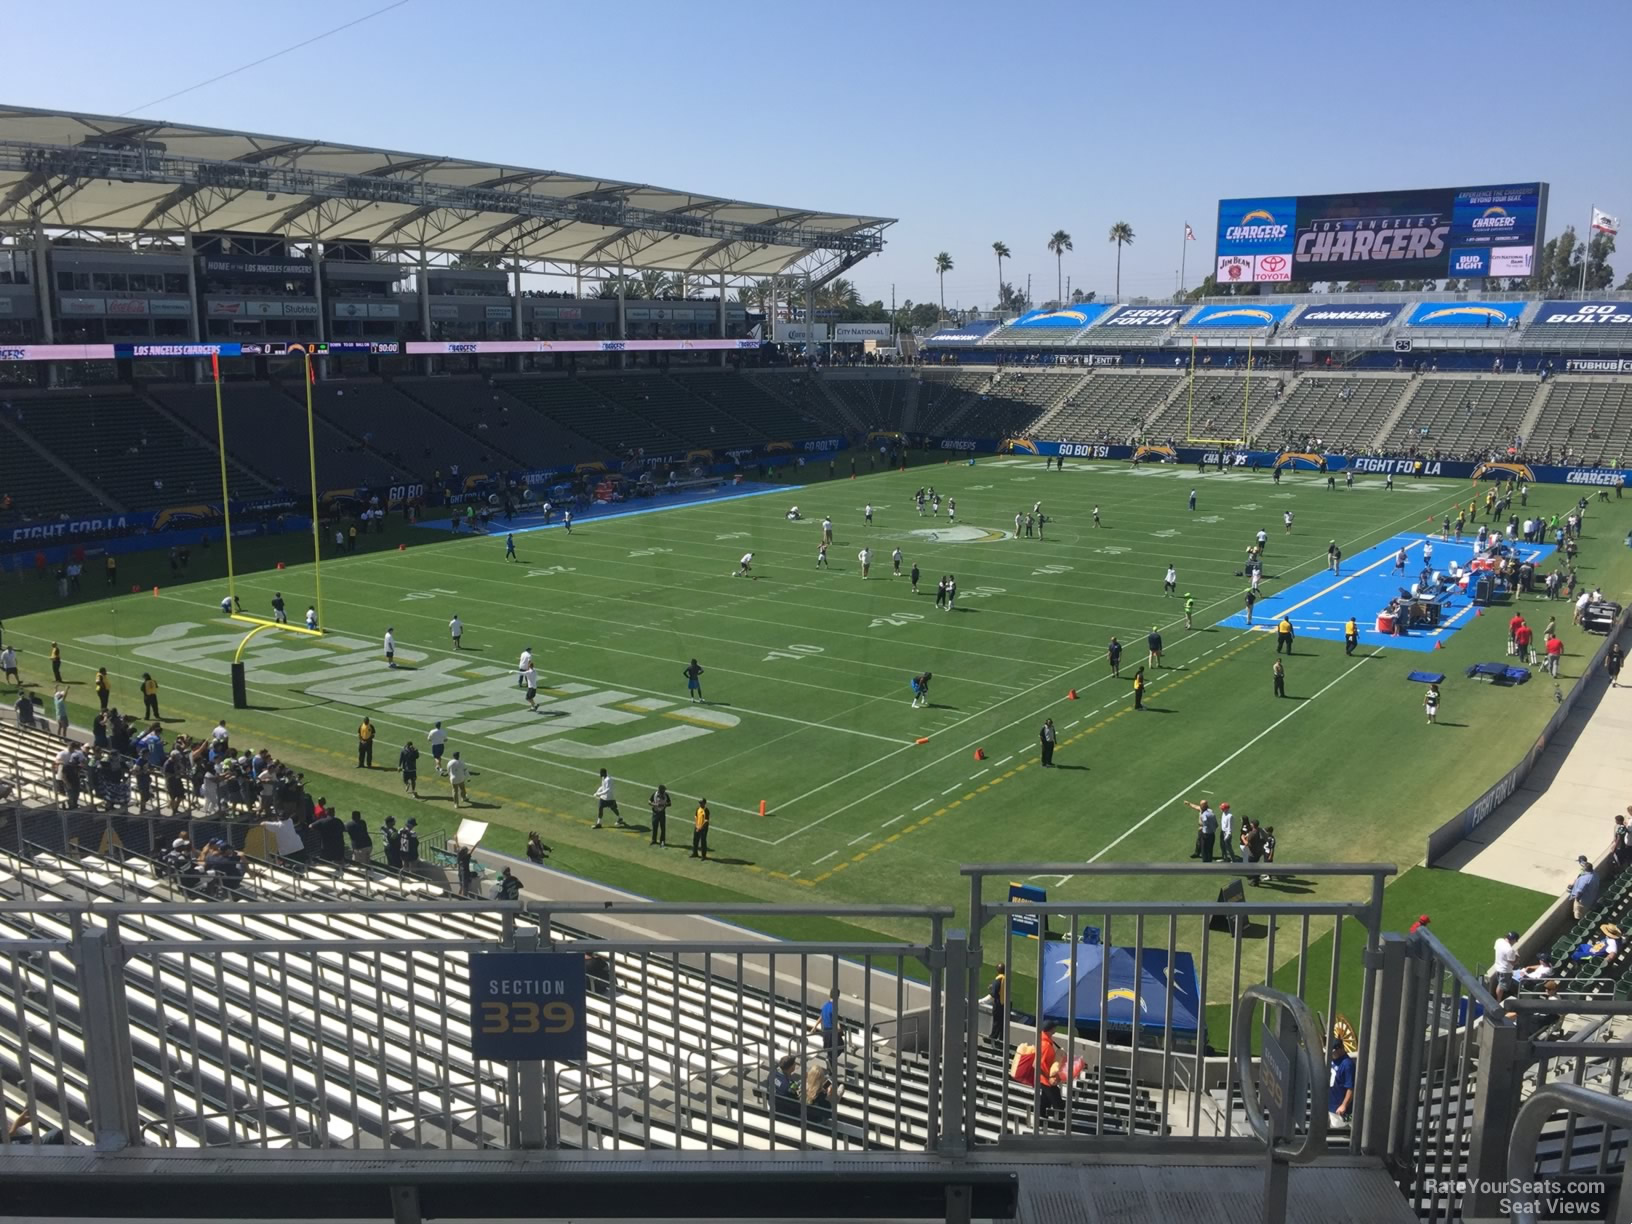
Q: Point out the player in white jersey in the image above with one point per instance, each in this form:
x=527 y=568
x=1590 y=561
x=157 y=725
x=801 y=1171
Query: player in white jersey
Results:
x=437 y=738
x=390 y=648
x=865 y=556
x=744 y=565
x=895 y=561
x=522 y=664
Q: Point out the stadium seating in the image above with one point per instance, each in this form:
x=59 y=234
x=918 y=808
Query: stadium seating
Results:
x=265 y=432
x=1585 y=420
x=378 y=415
x=668 y=405
x=578 y=406
x=138 y=458
x=1212 y=409
x=1463 y=416
x=807 y=397
x=1606 y=337
x=1333 y=412
x=487 y=410
x=40 y=492
x=881 y=403
x=1016 y=400
x=745 y=401
x=1111 y=407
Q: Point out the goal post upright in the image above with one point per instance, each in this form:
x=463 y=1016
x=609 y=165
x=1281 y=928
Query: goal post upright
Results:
x=311 y=458
x=226 y=493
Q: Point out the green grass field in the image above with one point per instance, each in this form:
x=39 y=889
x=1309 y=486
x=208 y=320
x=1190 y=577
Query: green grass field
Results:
x=807 y=679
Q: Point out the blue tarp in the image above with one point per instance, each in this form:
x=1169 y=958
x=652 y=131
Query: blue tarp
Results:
x=1131 y=987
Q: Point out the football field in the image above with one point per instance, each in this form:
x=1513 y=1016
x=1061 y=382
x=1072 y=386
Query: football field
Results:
x=806 y=677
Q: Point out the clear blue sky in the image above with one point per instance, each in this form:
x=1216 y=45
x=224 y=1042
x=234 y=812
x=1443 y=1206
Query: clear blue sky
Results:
x=968 y=121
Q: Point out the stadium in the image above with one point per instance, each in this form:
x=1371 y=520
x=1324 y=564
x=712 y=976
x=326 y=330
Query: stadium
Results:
x=666 y=739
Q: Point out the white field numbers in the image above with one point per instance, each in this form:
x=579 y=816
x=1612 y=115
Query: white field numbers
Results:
x=897 y=619
x=795 y=651
x=433 y=593
x=1051 y=569
x=552 y=571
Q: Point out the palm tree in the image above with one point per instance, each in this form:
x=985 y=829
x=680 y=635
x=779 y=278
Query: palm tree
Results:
x=1001 y=250
x=1060 y=243
x=840 y=295
x=943 y=265
x=1122 y=235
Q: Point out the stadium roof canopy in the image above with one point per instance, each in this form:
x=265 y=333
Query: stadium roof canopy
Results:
x=121 y=175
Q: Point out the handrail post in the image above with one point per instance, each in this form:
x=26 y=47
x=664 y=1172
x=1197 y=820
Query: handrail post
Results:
x=1495 y=1116
x=109 y=1063
x=1383 y=1034
x=956 y=1034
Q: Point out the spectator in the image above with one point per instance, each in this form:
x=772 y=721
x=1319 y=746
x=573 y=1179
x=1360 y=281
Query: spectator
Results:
x=1583 y=892
x=1340 y=1085
x=821 y=1093
x=392 y=837
x=507 y=887
x=362 y=845
x=458 y=776
x=24 y=1129
x=831 y=1026
x=1505 y=961
x=998 y=994
x=1622 y=841
x=1420 y=924
x=25 y=711
x=537 y=851
x=461 y=856
x=784 y=1084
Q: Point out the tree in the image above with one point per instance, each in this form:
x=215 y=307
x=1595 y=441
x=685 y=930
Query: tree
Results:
x=1078 y=297
x=1059 y=242
x=1627 y=283
x=1599 y=274
x=1011 y=299
x=1557 y=258
x=1122 y=235
x=921 y=317
x=1001 y=250
x=943 y=265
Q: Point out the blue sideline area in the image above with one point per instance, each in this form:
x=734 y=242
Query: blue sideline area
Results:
x=1319 y=606
x=531 y=518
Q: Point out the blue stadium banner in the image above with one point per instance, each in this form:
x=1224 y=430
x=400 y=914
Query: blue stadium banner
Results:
x=1465 y=314
x=1027 y=926
x=1582 y=315
x=1069 y=318
x=1350 y=314
x=528 y=1005
x=1225 y=315
x=1145 y=316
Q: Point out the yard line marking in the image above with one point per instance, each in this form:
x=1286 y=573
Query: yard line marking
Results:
x=794 y=875
x=1134 y=828
x=825 y=857
x=1069 y=725
x=1004 y=761
x=904 y=815
x=862 y=838
x=978 y=772
x=924 y=804
x=949 y=790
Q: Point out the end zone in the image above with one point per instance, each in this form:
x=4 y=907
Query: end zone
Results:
x=1319 y=606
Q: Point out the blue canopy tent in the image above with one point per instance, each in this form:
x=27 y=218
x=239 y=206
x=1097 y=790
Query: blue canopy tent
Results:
x=1133 y=987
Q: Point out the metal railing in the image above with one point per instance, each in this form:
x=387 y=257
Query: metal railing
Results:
x=1527 y=1194
x=1183 y=967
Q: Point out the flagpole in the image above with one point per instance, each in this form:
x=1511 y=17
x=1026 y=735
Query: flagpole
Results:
x=1586 y=254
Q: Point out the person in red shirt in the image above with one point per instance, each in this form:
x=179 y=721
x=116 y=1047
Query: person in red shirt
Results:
x=1513 y=630
x=1522 y=642
x=1555 y=652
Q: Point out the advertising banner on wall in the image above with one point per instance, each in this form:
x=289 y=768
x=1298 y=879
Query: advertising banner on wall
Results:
x=1223 y=314
x=1466 y=314
x=1583 y=316
x=1145 y=316
x=1350 y=314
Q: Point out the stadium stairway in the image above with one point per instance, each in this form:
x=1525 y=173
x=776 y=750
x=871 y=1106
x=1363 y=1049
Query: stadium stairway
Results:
x=1538 y=408
x=1392 y=420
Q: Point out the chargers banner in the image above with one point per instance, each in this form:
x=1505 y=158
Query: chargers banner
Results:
x=1359 y=314
x=1466 y=314
x=1222 y=315
x=1067 y=318
x=1582 y=315
x=1145 y=316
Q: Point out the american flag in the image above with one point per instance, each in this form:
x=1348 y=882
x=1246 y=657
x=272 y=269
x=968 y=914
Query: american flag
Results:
x=1189 y=234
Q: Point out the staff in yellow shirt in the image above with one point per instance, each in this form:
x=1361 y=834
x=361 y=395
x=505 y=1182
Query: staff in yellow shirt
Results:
x=56 y=662
x=102 y=692
x=150 y=697
x=365 y=745
x=699 y=831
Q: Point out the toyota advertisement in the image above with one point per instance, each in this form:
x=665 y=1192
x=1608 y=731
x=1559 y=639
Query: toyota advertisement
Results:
x=1460 y=232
